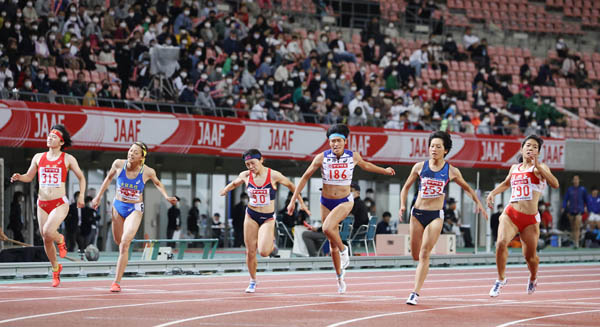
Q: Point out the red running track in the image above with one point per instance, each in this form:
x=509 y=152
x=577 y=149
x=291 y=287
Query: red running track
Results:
x=567 y=295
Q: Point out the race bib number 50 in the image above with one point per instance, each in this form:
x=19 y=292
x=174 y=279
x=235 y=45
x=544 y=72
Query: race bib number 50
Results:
x=50 y=176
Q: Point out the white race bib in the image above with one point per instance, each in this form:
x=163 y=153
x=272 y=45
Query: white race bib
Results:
x=50 y=176
x=520 y=190
x=259 y=197
x=432 y=188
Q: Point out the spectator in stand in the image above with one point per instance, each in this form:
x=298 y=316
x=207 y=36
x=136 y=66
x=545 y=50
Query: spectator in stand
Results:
x=526 y=88
x=450 y=49
x=574 y=203
x=480 y=97
x=174 y=221
x=568 y=67
x=313 y=238
x=383 y=227
x=480 y=54
x=581 y=79
x=89 y=99
x=217 y=228
x=525 y=71
x=368 y=52
x=204 y=99
x=259 y=111
x=372 y=30
x=470 y=41
x=561 y=48
x=418 y=59
x=544 y=77
x=484 y=127
x=238 y=214
x=187 y=94
x=338 y=46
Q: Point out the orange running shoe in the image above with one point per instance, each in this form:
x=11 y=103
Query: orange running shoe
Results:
x=56 y=276
x=115 y=288
x=62 y=248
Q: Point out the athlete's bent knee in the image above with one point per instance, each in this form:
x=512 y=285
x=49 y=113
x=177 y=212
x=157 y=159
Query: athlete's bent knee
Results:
x=264 y=253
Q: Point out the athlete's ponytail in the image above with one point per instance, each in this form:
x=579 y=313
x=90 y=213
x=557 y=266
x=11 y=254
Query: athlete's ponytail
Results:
x=144 y=148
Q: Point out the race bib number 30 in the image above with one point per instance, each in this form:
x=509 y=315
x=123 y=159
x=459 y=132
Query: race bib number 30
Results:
x=50 y=176
x=259 y=198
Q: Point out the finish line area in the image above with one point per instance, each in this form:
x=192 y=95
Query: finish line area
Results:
x=567 y=295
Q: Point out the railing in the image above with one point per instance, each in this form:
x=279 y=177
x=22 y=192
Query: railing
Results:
x=167 y=107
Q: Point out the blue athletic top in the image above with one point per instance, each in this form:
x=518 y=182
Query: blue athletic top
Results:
x=433 y=183
x=258 y=194
x=130 y=189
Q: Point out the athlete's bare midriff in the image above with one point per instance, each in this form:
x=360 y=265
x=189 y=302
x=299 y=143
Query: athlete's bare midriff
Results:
x=335 y=191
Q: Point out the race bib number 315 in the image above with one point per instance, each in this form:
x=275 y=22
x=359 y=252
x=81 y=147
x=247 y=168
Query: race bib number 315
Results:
x=50 y=176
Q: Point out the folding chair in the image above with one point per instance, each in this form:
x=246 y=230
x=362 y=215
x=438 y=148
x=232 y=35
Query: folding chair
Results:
x=366 y=233
x=346 y=231
x=282 y=231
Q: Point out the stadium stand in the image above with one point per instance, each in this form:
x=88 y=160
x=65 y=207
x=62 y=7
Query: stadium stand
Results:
x=257 y=60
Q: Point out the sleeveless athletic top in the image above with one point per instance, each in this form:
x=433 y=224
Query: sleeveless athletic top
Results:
x=260 y=196
x=523 y=183
x=52 y=173
x=337 y=171
x=130 y=189
x=433 y=183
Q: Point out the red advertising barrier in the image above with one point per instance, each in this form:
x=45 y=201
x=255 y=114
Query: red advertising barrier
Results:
x=26 y=124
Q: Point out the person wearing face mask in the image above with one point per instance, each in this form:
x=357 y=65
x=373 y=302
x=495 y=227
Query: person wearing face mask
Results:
x=581 y=76
x=193 y=219
x=419 y=59
x=368 y=52
x=187 y=95
x=183 y=20
x=265 y=69
x=41 y=83
x=89 y=99
x=61 y=85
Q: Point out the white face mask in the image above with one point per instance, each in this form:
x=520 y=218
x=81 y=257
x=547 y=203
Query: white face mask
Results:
x=270 y=83
x=377 y=114
x=28 y=84
x=353 y=88
x=184 y=74
x=93 y=89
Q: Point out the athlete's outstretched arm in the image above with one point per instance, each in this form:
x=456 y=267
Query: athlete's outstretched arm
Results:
x=152 y=176
x=412 y=177
x=543 y=169
x=458 y=179
x=499 y=189
x=367 y=166
x=314 y=166
x=28 y=177
x=287 y=183
x=74 y=166
x=235 y=183
x=109 y=176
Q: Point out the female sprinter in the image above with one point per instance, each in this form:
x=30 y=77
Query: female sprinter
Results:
x=128 y=205
x=337 y=166
x=53 y=205
x=527 y=181
x=259 y=224
x=427 y=215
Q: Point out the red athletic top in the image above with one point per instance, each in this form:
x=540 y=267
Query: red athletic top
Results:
x=52 y=173
x=523 y=183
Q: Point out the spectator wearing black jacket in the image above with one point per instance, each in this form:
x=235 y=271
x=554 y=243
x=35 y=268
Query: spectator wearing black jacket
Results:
x=383 y=227
x=238 y=214
x=174 y=222
x=193 y=218
x=359 y=210
x=16 y=222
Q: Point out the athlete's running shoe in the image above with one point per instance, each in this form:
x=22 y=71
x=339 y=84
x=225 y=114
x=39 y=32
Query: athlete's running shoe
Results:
x=495 y=291
x=341 y=283
x=344 y=258
x=413 y=298
x=115 y=287
x=531 y=286
x=62 y=247
x=56 y=276
x=251 y=287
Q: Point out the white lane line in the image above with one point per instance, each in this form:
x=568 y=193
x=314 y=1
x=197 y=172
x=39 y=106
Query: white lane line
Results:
x=310 y=286
x=351 y=273
x=548 y=316
x=341 y=323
